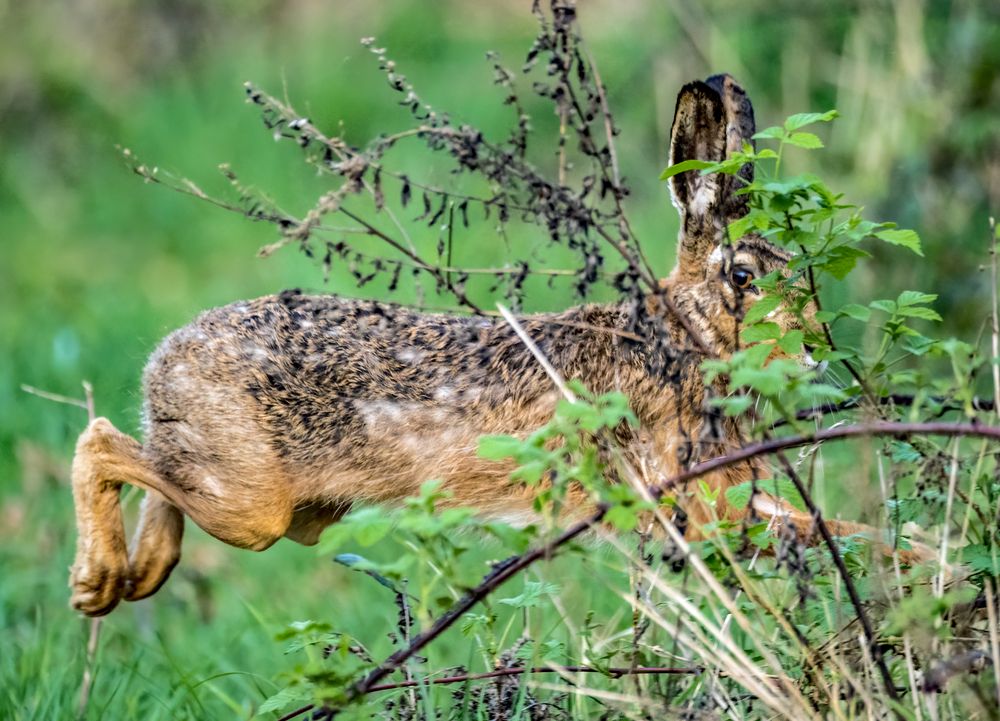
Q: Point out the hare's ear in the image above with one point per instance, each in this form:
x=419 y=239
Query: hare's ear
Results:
x=740 y=128
x=712 y=120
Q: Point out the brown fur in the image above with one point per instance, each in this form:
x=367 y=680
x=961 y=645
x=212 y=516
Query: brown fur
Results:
x=272 y=417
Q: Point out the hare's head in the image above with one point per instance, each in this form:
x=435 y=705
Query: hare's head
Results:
x=713 y=282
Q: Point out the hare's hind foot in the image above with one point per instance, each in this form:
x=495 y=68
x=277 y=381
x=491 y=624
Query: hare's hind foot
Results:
x=103 y=457
x=156 y=547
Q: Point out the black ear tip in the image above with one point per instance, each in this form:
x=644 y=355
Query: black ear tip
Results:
x=698 y=88
x=698 y=97
x=724 y=84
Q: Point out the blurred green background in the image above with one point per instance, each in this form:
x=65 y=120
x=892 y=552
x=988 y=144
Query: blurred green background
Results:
x=97 y=266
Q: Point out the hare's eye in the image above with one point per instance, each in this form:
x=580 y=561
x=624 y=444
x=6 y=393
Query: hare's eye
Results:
x=741 y=278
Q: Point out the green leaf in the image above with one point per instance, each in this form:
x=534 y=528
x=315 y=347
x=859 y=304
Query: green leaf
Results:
x=534 y=593
x=684 y=166
x=899 y=236
x=530 y=473
x=621 y=517
x=498 y=448
x=369 y=525
x=766 y=381
x=841 y=260
x=774 y=132
x=855 y=311
x=281 y=700
x=800 y=120
x=760 y=331
x=759 y=310
x=733 y=405
x=903 y=452
x=980 y=558
x=792 y=342
x=804 y=140
x=886 y=306
x=920 y=312
x=915 y=297
x=738 y=496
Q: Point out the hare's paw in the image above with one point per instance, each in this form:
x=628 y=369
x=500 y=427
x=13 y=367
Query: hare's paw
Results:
x=97 y=587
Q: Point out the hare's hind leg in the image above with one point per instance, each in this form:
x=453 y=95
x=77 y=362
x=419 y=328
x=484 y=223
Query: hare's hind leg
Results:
x=105 y=459
x=156 y=546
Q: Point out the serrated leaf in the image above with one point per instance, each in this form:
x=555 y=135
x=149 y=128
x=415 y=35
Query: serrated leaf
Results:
x=981 y=558
x=281 y=700
x=621 y=517
x=684 y=166
x=920 y=312
x=792 y=342
x=760 y=332
x=915 y=297
x=766 y=381
x=900 y=236
x=759 y=310
x=856 y=311
x=738 y=496
x=775 y=132
x=886 y=306
x=534 y=594
x=369 y=525
x=804 y=140
x=800 y=120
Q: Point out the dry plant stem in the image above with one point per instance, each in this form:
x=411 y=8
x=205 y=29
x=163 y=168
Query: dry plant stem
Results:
x=995 y=335
x=94 y=637
x=433 y=270
x=991 y=615
x=95 y=623
x=875 y=428
x=899 y=399
x=537 y=353
x=911 y=672
x=613 y=672
x=873 y=647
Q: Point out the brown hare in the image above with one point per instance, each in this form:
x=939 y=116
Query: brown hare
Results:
x=272 y=417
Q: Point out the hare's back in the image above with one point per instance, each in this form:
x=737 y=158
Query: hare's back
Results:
x=323 y=370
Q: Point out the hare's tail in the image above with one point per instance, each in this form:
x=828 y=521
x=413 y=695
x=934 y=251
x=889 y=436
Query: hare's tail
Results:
x=103 y=573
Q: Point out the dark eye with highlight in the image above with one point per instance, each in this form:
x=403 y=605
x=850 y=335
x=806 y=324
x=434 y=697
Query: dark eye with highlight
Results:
x=741 y=278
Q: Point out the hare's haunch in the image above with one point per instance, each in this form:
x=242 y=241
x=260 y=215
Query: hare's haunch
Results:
x=272 y=417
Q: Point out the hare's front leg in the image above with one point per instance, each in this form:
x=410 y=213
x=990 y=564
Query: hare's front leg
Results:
x=156 y=546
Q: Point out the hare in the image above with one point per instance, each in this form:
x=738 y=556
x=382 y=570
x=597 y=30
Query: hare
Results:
x=272 y=417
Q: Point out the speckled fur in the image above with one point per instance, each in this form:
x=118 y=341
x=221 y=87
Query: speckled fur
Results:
x=272 y=417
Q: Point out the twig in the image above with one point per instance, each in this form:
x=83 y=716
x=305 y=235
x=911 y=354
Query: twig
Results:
x=86 y=403
x=898 y=399
x=613 y=672
x=876 y=428
x=539 y=356
x=995 y=335
x=838 y=560
x=56 y=397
